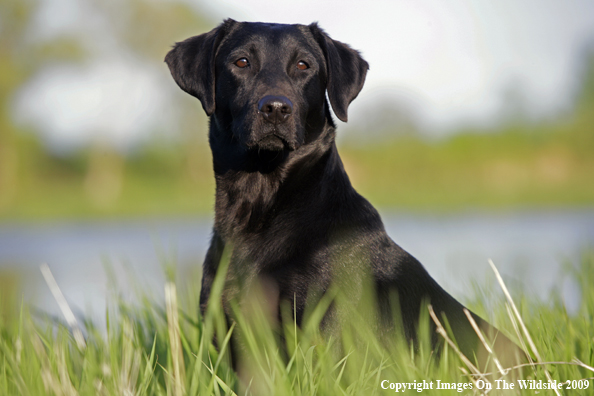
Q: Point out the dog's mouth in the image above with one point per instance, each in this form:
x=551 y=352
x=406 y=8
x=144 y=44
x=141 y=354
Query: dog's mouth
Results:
x=274 y=142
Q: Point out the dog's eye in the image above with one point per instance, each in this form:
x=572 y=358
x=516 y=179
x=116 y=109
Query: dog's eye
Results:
x=301 y=65
x=242 y=62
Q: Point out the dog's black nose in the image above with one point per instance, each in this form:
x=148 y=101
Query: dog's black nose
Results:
x=275 y=109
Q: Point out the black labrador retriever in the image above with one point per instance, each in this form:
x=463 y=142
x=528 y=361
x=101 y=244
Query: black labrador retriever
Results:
x=284 y=202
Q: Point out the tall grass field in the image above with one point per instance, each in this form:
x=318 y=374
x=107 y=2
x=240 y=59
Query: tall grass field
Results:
x=162 y=346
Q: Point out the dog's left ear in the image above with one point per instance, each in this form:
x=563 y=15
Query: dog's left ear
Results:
x=192 y=64
x=346 y=71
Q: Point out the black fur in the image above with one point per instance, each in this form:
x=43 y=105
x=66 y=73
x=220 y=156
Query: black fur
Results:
x=283 y=199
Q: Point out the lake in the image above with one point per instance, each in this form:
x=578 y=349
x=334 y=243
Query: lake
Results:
x=528 y=247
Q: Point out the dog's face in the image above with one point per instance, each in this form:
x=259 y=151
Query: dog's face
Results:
x=264 y=84
x=270 y=84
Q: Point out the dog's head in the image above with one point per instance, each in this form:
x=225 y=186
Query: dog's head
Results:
x=265 y=84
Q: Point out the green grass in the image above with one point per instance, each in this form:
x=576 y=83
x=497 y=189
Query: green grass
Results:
x=155 y=349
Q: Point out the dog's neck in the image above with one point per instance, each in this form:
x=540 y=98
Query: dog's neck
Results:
x=253 y=187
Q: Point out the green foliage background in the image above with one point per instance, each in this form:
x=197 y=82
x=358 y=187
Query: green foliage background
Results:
x=512 y=165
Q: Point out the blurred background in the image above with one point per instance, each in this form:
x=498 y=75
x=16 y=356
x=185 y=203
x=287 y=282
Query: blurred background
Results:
x=474 y=136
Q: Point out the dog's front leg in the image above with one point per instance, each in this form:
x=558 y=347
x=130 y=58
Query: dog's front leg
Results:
x=209 y=268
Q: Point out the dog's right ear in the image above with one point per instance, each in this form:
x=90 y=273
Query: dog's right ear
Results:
x=346 y=71
x=192 y=64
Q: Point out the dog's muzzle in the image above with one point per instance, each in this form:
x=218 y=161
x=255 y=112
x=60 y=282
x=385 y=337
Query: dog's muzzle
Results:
x=275 y=135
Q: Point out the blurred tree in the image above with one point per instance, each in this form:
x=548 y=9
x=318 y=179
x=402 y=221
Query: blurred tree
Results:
x=581 y=122
x=585 y=97
x=146 y=30
x=141 y=29
x=515 y=103
x=149 y=28
x=387 y=116
x=20 y=59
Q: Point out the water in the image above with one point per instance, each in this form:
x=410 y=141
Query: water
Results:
x=528 y=247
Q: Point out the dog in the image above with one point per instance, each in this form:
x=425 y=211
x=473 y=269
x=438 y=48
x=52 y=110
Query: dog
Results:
x=285 y=207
